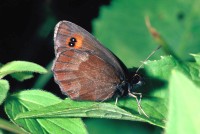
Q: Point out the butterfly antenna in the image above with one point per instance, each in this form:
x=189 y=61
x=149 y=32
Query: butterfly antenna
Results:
x=148 y=58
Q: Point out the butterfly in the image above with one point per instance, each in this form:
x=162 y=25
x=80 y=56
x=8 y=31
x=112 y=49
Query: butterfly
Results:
x=85 y=70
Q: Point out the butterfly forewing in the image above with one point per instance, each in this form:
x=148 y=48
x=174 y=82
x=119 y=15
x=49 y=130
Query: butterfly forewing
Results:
x=86 y=71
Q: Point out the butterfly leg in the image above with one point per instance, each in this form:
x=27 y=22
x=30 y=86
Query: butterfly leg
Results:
x=138 y=102
x=116 y=100
x=140 y=94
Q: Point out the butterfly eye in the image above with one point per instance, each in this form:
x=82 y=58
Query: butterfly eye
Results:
x=72 y=42
x=137 y=79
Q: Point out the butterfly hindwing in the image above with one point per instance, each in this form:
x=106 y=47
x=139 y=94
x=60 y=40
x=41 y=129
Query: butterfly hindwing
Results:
x=84 y=70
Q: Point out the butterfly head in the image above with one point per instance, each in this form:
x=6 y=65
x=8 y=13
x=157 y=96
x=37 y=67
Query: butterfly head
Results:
x=136 y=81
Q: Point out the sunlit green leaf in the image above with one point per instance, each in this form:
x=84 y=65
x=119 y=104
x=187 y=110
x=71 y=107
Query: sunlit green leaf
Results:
x=34 y=99
x=183 y=112
x=4 y=87
x=69 y=108
x=23 y=67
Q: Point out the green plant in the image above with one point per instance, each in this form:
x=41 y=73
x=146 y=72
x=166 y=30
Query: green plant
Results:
x=170 y=95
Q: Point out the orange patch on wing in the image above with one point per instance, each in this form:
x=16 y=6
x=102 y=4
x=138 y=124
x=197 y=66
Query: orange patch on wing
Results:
x=78 y=43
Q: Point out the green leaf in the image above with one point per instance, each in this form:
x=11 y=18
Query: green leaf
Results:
x=22 y=76
x=69 y=108
x=183 y=105
x=197 y=58
x=194 y=70
x=10 y=127
x=161 y=70
x=121 y=27
x=156 y=78
x=23 y=67
x=34 y=99
x=4 y=87
x=106 y=126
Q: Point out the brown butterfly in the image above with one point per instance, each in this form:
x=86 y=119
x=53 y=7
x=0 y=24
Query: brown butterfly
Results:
x=85 y=70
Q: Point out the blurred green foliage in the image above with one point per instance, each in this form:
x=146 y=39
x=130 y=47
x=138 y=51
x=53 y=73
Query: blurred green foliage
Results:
x=121 y=27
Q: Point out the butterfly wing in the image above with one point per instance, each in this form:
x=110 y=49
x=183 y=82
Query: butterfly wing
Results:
x=84 y=70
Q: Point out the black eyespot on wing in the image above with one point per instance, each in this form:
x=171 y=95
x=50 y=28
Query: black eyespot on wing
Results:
x=73 y=39
x=71 y=44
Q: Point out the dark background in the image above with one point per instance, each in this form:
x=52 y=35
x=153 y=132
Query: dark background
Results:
x=22 y=21
x=27 y=34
